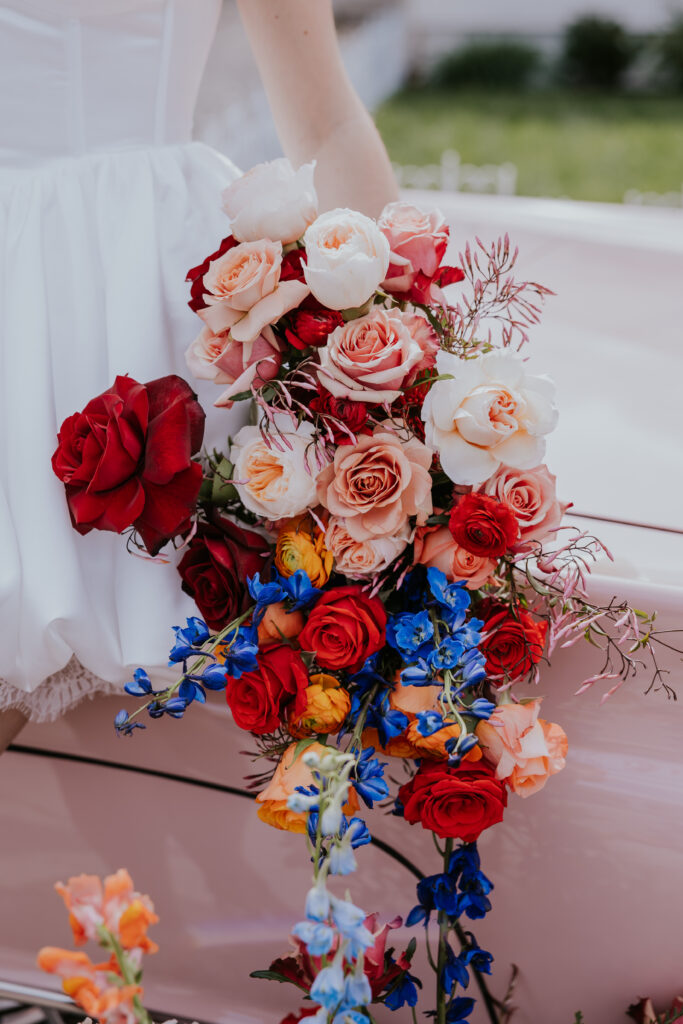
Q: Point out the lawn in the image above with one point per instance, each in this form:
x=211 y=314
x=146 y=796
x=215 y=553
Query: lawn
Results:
x=563 y=144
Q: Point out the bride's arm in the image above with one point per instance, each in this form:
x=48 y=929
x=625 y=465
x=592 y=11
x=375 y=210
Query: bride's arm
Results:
x=316 y=110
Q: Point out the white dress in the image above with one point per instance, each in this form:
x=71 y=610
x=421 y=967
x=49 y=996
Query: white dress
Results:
x=105 y=203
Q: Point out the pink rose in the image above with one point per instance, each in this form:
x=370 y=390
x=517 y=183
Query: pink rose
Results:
x=418 y=242
x=218 y=357
x=378 y=483
x=428 y=340
x=368 y=359
x=531 y=495
x=243 y=291
x=357 y=559
x=524 y=749
x=435 y=547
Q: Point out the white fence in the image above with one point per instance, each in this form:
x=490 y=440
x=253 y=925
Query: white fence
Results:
x=452 y=175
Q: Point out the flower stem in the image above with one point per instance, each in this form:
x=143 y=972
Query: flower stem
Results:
x=129 y=974
x=444 y=928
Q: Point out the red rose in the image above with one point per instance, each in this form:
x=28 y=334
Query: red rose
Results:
x=258 y=700
x=215 y=567
x=126 y=460
x=312 y=327
x=292 y=268
x=455 y=803
x=483 y=525
x=337 y=411
x=196 y=275
x=513 y=645
x=344 y=628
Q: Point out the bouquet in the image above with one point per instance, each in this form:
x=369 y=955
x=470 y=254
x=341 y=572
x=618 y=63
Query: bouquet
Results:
x=379 y=557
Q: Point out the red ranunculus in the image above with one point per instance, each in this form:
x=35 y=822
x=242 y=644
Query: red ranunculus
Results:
x=126 y=460
x=312 y=327
x=336 y=411
x=513 y=645
x=344 y=628
x=196 y=275
x=455 y=803
x=215 y=567
x=259 y=700
x=483 y=525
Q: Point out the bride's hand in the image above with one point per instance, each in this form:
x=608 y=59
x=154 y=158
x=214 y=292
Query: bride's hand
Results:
x=316 y=110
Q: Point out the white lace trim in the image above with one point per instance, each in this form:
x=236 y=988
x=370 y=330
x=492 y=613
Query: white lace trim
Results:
x=58 y=694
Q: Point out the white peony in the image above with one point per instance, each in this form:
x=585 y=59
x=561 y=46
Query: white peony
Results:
x=272 y=201
x=491 y=412
x=275 y=482
x=347 y=258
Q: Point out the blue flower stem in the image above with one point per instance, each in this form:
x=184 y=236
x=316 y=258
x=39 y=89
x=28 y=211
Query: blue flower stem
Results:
x=444 y=928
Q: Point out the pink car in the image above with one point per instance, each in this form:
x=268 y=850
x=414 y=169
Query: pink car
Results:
x=587 y=873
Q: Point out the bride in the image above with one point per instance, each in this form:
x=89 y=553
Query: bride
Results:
x=104 y=205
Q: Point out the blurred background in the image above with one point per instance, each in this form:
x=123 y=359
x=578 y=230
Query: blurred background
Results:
x=579 y=99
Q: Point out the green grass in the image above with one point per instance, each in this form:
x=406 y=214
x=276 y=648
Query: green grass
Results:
x=563 y=144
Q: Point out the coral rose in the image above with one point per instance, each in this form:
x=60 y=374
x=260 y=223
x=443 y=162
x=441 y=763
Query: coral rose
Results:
x=347 y=257
x=273 y=201
x=513 y=645
x=455 y=803
x=259 y=700
x=483 y=525
x=126 y=460
x=327 y=705
x=524 y=749
x=344 y=628
x=357 y=559
x=291 y=773
x=301 y=545
x=370 y=358
x=489 y=411
x=377 y=484
x=276 y=483
x=435 y=547
x=532 y=496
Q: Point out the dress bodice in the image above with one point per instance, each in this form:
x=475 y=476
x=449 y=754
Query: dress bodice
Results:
x=87 y=76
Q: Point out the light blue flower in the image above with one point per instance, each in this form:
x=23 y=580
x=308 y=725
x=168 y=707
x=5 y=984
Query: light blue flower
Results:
x=357 y=991
x=328 y=987
x=318 y=903
x=342 y=860
x=318 y=938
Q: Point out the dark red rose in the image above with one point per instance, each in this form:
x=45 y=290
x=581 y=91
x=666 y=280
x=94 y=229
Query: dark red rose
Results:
x=344 y=628
x=259 y=700
x=513 y=645
x=311 y=327
x=196 y=275
x=292 y=268
x=455 y=803
x=483 y=525
x=215 y=567
x=336 y=411
x=126 y=460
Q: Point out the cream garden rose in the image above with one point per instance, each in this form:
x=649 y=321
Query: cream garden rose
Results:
x=275 y=482
x=347 y=258
x=272 y=201
x=360 y=558
x=490 y=412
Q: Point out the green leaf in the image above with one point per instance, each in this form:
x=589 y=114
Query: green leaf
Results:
x=271 y=976
x=222 y=491
x=302 y=745
x=412 y=946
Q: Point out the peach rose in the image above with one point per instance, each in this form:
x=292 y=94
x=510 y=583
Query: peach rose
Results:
x=277 y=623
x=532 y=496
x=218 y=357
x=411 y=700
x=426 y=337
x=377 y=484
x=275 y=483
x=435 y=547
x=290 y=774
x=359 y=558
x=347 y=257
x=243 y=291
x=272 y=200
x=368 y=359
x=524 y=749
x=487 y=411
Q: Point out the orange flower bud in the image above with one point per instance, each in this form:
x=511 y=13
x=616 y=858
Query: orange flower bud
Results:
x=327 y=705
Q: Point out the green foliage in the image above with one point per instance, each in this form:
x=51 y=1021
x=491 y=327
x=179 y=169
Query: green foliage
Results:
x=597 y=53
x=490 y=65
x=670 y=52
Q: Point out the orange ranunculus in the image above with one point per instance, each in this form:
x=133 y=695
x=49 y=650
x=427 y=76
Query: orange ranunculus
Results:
x=133 y=925
x=434 y=746
x=278 y=623
x=289 y=774
x=524 y=749
x=301 y=545
x=327 y=705
x=413 y=699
